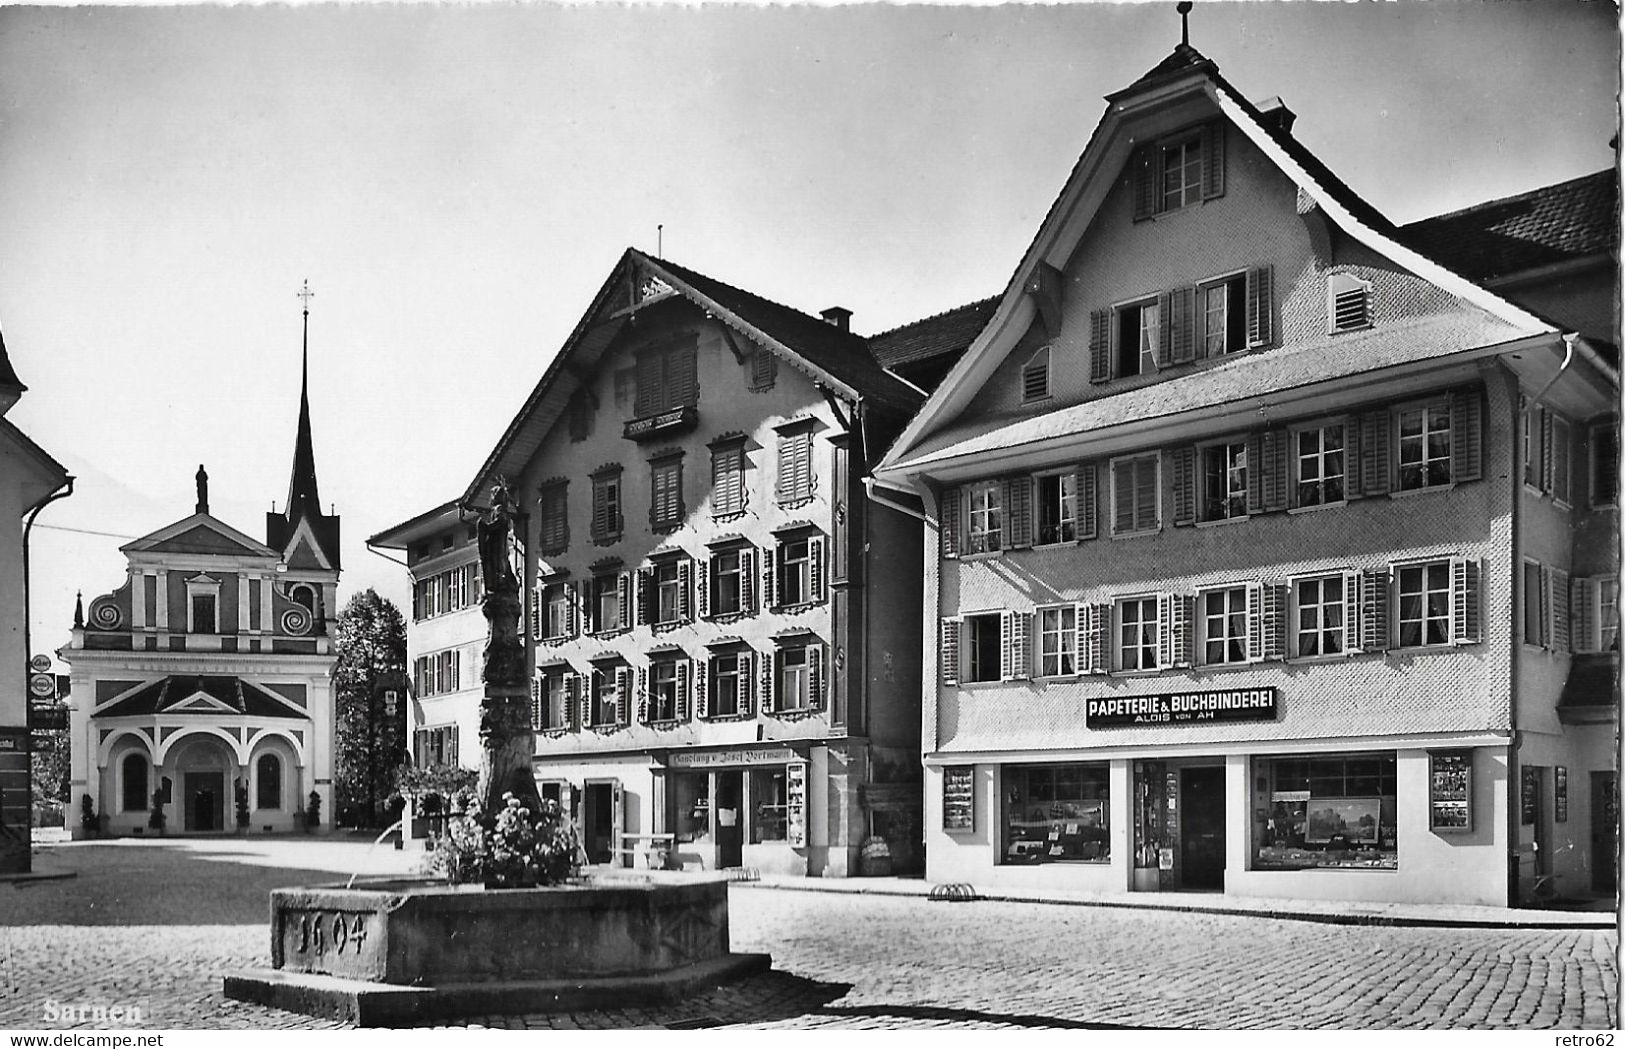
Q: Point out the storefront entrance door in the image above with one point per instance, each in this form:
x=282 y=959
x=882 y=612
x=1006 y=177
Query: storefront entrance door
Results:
x=730 y=820
x=600 y=819
x=1604 y=830
x=1201 y=837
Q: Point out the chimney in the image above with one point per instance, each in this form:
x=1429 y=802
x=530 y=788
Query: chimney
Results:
x=839 y=316
x=1273 y=114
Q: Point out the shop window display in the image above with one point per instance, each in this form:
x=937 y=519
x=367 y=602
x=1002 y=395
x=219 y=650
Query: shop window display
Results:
x=768 y=798
x=691 y=793
x=1056 y=813
x=1333 y=811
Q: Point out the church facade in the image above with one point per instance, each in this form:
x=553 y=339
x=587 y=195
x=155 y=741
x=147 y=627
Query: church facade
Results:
x=202 y=685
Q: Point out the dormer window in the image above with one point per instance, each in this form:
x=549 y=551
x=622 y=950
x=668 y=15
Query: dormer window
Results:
x=1035 y=377
x=1178 y=170
x=1139 y=334
x=1348 y=302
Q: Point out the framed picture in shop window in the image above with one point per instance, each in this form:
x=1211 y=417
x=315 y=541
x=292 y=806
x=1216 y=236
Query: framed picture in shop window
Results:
x=1560 y=794
x=959 y=798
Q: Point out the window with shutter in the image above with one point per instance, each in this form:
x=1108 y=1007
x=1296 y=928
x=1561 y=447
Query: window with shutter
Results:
x=1018 y=496
x=1221 y=314
x=1058 y=641
x=555 y=528
x=1137 y=633
x=1179 y=337
x=1348 y=302
x=667 y=378
x=685 y=590
x=606 y=506
x=1317 y=465
x=1465 y=424
x=1057 y=509
x=1582 y=614
x=764 y=370
x=1135 y=495
x=1374 y=464
x=1557 y=602
x=1374 y=610
x=1425 y=439
x=1035 y=377
x=985 y=526
x=623 y=695
x=666 y=493
x=747 y=580
x=685 y=687
x=1088 y=498
x=1229 y=489
x=1261 y=306
x=1534 y=603
x=1139 y=338
x=1604 y=464
x=646 y=594
x=727 y=480
x=1100 y=359
x=1422 y=595
x=985 y=656
x=795 y=480
x=1323 y=612
x=1228 y=635
x=1562 y=461
x=1094 y=625
x=817 y=678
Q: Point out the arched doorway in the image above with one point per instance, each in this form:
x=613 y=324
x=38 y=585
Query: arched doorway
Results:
x=204 y=770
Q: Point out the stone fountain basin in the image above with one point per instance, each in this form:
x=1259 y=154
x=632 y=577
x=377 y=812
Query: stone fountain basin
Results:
x=384 y=952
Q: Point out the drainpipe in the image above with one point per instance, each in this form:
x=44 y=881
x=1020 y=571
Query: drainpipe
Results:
x=871 y=486
x=373 y=550
x=34 y=511
x=1569 y=339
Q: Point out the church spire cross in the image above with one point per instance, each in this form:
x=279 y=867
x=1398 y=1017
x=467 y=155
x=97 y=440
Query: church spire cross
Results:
x=304 y=295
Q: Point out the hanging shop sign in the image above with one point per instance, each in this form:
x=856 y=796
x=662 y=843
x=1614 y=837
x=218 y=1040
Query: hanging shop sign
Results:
x=1178 y=708
x=1450 y=790
x=959 y=797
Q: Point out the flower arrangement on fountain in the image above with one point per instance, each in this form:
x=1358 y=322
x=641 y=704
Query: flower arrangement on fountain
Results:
x=519 y=847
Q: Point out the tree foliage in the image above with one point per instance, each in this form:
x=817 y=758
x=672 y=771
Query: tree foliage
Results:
x=370 y=638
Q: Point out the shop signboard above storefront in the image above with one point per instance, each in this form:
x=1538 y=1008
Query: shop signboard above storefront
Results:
x=704 y=759
x=1181 y=708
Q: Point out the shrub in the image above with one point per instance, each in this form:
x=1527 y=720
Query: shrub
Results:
x=87 y=814
x=155 y=819
x=242 y=805
x=313 y=810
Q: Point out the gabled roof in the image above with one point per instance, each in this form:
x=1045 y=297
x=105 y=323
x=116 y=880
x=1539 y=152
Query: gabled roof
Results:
x=943 y=334
x=1184 y=75
x=1567 y=222
x=829 y=354
x=429 y=522
x=207 y=695
x=199 y=534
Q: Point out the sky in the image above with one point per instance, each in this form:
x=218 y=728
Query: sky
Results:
x=456 y=182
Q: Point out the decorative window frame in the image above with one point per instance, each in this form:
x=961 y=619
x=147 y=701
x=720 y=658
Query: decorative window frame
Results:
x=203 y=585
x=671 y=459
x=797 y=432
x=601 y=479
x=554 y=488
x=729 y=445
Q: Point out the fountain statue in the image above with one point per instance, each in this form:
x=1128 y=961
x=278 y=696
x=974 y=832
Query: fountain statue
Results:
x=507 y=742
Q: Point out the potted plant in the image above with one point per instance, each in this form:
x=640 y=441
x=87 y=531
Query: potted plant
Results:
x=242 y=809
x=155 y=819
x=313 y=811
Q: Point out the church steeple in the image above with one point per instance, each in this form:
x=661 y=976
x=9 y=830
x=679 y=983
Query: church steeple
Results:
x=304 y=535
x=303 y=499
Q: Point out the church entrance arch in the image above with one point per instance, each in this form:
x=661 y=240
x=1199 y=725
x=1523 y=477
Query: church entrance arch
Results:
x=204 y=767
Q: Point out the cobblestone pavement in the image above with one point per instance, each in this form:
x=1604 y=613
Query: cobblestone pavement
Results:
x=124 y=933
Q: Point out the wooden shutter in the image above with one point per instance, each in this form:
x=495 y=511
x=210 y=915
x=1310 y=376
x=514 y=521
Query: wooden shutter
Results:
x=1018 y=501
x=1088 y=500
x=1353 y=584
x=1122 y=496
x=1143 y=173
x=1466 y=437
x=623 y=686
x=1164 y=352
x=949 y=523
x=643 y=695
x=948 y=653
x=685 y=384
x=1181 y=325
x=770 y=675
x=1100 y=346
x=623 y=600
x=1374 y=610
x=1213 y=160
x=685 y=593
x=1183 y=626
x=586 y=698
x=650 y=384
x=702 y=694
x=1257 y=632
x=1260 y=306
x=1184 y=466
x=1277 y=605
x=600 y=511
x=687 y=674
x=1274 y=448
x=1583 y=614
x=646 y=583
x=1374 y=463
x=747 y=683
x=1465 y=621
x=702 y=587
x=535 y=702
x=1255 y=476
x=1545 y=448
x=817 y=680
x=1557 y=607
x=1353 y=486
x=1017 y=629
x=747 y=579
x=770 y=577
x=571 y=683
x=815 y=570
x=1093 y=625
x=1145 y=492
x=572 y=604
x=1165 y=631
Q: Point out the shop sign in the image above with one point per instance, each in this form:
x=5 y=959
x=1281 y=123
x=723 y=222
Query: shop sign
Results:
x=42 y=686
x=1177 y=708
x=1560 y=794
x=1450 y=790
x=959 y=797
x=704 y=759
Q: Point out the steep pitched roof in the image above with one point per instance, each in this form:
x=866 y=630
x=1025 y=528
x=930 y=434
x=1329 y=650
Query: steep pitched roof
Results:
x=1569 y=221
x=1185 y=73
x=942 y=334
x=8 y=375
x=843 y=355
x=826 y=352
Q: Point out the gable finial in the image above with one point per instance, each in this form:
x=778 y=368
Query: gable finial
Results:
x=202 y=489
x=660 y=240
x=1184 y=10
